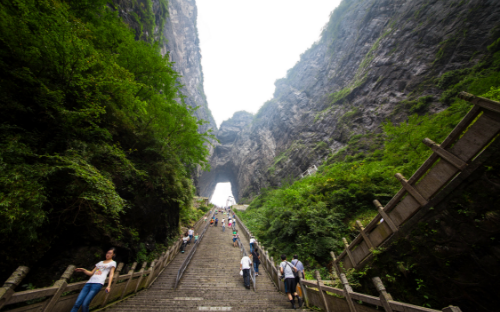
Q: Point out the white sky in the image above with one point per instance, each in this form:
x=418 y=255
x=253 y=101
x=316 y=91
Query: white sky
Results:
x=246 y=46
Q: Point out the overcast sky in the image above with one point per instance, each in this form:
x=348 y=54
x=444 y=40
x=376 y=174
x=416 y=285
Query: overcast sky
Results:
x=247 y=45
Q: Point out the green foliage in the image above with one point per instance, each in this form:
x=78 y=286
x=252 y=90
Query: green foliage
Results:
x=92 y=134
x=311 y=216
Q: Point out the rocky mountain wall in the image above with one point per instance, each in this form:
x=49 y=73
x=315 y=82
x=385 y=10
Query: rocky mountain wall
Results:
x=173 y=24
x=376 y=60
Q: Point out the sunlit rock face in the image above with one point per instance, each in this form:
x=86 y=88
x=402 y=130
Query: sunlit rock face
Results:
x=373 y=55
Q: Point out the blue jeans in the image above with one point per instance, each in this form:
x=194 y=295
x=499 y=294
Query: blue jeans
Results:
x=256 y=267
x=223 y=228
x=89 y=291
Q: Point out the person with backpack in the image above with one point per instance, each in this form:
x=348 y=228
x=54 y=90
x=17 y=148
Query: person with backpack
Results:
x=185 y=241
x=235 y=238
x=245 y=264
x=300 y=267
x=256 y=261
x=289 y=273
x=216 y=221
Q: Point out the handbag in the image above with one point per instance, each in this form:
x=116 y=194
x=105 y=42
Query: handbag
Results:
x=241 y=272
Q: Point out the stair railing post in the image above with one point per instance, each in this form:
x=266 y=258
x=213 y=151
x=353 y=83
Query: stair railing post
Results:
x=348 y=251
x=384 y=296
x=10 y=284
x=335 y=265
x=451 y=309
x=365 y=237
x=347 y=292
x=385 y=216
x=113 y=282
x=318 y=280
x=130 y=274
x=141 y=276
x=304 y=291
x=62 y=284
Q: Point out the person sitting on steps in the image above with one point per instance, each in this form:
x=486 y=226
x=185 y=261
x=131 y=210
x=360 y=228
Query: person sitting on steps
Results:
x=97 y=279
x=287 y=269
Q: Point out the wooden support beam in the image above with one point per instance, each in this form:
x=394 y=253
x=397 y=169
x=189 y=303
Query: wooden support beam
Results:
x=384 y=296
x=130 y=273
x=365 y=237
x=335 y=265
x=62 y=284
x=10 y=284
x=413 y=192
x=139 y=280
x=113 y=282
x=386 y=217
x=347 y=292
x=451 y=309
x=318 y=279
x=348 y=251
x=444 y=154
x=480 y=101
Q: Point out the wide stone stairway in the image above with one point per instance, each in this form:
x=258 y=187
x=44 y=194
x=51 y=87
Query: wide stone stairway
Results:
x=210 y=283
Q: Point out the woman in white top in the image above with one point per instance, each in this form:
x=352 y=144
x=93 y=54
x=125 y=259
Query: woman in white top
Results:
x=97 y=279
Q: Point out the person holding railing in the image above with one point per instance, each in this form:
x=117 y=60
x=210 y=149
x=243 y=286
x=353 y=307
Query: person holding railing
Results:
x=97 y=279
x=245 y=264
x=287 y=269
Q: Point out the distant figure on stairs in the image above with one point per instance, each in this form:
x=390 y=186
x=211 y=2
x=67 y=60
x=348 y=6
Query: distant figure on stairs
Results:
x=256 y=261
x=191 y=234
x=245 y=264
x=196 y=237
x=235 y=238
x=97 y=279
x=287 y=269
x=253 y=243
x=234 y=224
x=223 y=225
x=230 y=222
x=212 y=222
x=185 y=241
x=216 y=221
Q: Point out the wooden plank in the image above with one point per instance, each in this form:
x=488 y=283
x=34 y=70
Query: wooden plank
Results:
x=360 y=252
x=380 y=234
x=26 y=295
x=130 y=273
x=141 y=273
x=444 y=154
x=436 y=179
x=327 y=309
x=480 y=101
x=348 y=251
x=363 y=234
x=385 y=216
x=404 y=210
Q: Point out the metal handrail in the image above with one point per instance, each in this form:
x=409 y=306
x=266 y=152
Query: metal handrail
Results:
x=243 y=252
x=190 y=255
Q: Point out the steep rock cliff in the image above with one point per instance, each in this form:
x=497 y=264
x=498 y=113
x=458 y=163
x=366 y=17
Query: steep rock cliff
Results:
x=376 y=60
x=173 y=25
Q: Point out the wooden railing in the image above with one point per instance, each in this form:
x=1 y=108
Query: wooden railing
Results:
x=52 y=298
x=477 y=130
x=317 y=294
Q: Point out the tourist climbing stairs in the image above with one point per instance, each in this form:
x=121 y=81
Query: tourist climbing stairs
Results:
x=211 y=282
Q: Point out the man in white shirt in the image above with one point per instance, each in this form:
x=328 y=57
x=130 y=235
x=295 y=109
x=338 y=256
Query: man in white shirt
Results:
x=287 y=269
x=245 y=265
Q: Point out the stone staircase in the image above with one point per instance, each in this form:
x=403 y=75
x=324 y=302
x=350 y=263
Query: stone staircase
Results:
x=210 y=283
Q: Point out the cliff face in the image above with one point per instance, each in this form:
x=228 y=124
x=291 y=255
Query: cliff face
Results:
x=173 y=24
x=376 y=60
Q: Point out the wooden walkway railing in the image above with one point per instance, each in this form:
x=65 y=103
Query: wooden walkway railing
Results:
x=476 y=131
x=122 y=285
x=317 y=294
x=471 y=136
